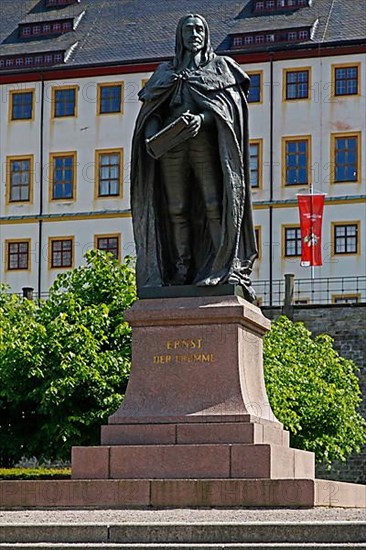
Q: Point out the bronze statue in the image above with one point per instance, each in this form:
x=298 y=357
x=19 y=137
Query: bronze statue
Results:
x=190 y=189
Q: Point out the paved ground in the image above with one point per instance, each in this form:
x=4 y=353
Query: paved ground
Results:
x=36 y=517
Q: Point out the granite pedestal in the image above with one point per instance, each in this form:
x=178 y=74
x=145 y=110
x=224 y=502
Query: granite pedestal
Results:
x=196 y=406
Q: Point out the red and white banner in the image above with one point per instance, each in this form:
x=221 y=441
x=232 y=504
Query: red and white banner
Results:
x=311 y=217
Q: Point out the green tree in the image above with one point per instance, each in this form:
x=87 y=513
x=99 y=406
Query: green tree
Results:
x=64 y=363
x=313 y=391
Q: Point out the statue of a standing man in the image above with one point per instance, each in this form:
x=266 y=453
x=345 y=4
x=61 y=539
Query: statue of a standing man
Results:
x=191 y=205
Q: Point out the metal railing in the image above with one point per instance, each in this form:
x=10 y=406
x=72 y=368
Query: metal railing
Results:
x=327 y=290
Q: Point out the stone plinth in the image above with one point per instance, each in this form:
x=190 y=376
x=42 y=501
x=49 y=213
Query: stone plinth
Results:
x=196 y=406
x=196 y=359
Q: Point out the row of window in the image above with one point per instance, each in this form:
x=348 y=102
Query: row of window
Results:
x=266 y=5
x=108 y=175
x=56 y=3
x=297 y=85
x=32 y=60
x=345 y=81
x=64 y=101
x=345 y=241
x=60 y=251
x=290 y=35
x=344 y=166
x=57 y=27
x=108 y=168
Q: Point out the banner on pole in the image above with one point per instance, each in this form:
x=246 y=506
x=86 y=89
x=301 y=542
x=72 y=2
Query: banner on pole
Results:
x=311 y=217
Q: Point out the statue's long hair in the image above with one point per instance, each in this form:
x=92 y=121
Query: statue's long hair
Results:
x=207 y=52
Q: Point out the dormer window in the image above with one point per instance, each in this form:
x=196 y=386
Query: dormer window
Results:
x=270 y=37
x=56 y=3
x=36 y=29
x=276 y=5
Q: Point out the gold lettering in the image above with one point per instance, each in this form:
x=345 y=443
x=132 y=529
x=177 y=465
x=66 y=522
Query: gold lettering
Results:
x=184 y=344
x=162 y=359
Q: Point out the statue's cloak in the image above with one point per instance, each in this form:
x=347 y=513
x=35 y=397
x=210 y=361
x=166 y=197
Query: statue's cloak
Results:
x=219 y=87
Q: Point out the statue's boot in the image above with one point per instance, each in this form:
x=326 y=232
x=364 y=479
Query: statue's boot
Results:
x=183 y=253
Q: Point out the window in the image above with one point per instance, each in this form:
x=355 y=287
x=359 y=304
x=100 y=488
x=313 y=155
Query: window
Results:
x=29 y=60
x=61 y=252
x=36 y=29
x=270 y=38
x=345 y=238
x=248 y=39
x=346 y=80
x=48 y=58
x=296 y=160
x=17 y=253
x=63 y=172
x=110 y=98
x=237 y=41
x=19 y=179
x=19 y=62
x=56 y=27
x=292 y=240
x=303 y=35
x=26 y=31
x=46 y=28
x=108 y=243
x=259 y=39
x=255 y=153
x=346 y=158
x=255 y=91
x=64 y=101
x=38 y=60
x=292 y=35
x=109 y=173
x=297 y=84
x=345 y=298
x=21 y=105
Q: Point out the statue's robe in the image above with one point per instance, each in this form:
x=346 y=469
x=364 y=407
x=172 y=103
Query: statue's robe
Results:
x=219 y=87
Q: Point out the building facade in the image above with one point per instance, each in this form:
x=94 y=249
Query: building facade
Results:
x=70 y=72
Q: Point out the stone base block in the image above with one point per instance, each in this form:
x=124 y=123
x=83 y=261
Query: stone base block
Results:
x=259 y=461
x=194 y=433
x=181 y=493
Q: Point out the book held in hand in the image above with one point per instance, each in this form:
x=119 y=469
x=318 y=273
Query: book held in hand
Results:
x=168 y=137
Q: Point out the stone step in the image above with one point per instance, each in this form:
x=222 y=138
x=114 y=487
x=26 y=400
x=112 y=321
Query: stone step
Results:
x=168 y=534
x=223 y=461
x=180 y=493
x=193 y=433
x=177 y=546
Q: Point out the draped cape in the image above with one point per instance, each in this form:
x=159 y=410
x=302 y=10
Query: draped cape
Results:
x=220 y=88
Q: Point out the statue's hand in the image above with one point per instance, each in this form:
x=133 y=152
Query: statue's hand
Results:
x=194 y=124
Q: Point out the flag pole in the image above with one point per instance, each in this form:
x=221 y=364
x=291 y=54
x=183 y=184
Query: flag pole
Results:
x=311 y=191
